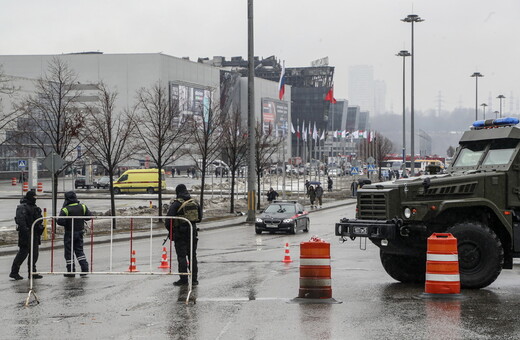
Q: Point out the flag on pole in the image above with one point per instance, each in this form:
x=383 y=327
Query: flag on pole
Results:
x=335 y=134
x=330 y=96
x=315 y=132
x=310 y=129
x=322 y=135
x=297 y=131
x=304 y=132
x=281 y=83
x=292 y=129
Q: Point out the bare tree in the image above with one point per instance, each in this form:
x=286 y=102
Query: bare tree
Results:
x=8 y=118
x=107 y=135
x=382 y=147
x=266 y=146
x=54 y=117
x=450 y=151
x=234 y=148
x=206 y=135
x=159 y=127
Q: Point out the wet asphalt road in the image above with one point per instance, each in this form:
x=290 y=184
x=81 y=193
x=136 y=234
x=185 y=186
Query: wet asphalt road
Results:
x=245 y=293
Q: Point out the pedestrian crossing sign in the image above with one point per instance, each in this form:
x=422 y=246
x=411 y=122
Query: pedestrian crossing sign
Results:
x=354 y=171
x=371 y=167
x=22 y=164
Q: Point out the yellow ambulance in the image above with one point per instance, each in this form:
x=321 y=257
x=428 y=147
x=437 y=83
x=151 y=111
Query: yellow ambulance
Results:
x=139 y=180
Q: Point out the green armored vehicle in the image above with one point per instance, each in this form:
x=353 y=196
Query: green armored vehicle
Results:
x=477 y=200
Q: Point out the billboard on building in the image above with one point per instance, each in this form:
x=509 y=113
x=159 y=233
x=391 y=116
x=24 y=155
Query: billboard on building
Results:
x=276 y=114
x=193 y=102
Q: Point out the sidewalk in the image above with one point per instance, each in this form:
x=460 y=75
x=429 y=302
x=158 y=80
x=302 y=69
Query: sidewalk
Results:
x=160 y=232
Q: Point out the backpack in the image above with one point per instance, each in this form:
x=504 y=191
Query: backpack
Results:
x=189 y=210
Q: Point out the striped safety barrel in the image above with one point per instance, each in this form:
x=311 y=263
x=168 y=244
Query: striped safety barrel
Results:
x=442 y=265
x=315 y=273
x=25 y=186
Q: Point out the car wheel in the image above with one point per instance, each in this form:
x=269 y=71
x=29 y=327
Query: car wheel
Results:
x=307 y=226
x=149 y=191
x=292 y=230
x=117 y=191
x=481 y=254
x=258 y=232
x=97 y=186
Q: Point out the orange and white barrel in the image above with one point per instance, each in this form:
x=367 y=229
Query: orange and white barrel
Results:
x=315 y=270
x=25 y=186
x=442 y=265
x=13 y=181
x=40 y=187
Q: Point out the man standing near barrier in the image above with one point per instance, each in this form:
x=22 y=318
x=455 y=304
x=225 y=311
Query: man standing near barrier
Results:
x=319 y=194
x=184 y=206
x=26 y=213
x=74 y=232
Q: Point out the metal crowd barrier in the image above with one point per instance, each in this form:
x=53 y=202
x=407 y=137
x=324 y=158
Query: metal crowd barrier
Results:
x=131 y=219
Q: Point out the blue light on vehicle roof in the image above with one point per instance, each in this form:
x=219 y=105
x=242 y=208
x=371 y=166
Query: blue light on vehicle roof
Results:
x=495 y=122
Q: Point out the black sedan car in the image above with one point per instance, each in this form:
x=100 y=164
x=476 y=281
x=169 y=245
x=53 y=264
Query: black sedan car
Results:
x=287 y=216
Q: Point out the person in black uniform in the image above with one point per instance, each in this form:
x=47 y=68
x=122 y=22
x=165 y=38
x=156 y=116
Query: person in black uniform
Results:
x=271 y=195
x=181 y=236
x=26 y=213
x=74 y=236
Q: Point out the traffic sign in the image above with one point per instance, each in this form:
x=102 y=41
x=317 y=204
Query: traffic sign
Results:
x=370 y=160
x=53 y=162
x=22 y=164
x=371 y=168
x=354 y=170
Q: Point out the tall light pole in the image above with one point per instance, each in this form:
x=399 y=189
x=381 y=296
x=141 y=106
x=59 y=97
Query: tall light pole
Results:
x=483 y=110
x=412 y=18
x=404 y=54
x=496 y=114
x=251 y=120
x=500 y=97
x=476 y=75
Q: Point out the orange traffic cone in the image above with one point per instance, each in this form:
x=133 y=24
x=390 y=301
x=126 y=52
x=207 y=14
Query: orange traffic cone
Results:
x=164 y=259
x=442 y=266
x=287 y=257
x=132 y=267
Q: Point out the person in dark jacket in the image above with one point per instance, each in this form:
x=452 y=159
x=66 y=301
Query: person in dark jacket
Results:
x=312 y=195
x=181 y=236
x=271 y=195
x=319 y=194
x=74 y=231
x=26 y=213
x=329 y=184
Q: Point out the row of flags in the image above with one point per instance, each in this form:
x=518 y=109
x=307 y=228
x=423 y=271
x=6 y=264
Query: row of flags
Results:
x=314 y=133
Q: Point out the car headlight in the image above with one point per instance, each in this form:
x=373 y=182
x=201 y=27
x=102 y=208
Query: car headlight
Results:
x=259 y=220
x=407 y=212
x=287 y=220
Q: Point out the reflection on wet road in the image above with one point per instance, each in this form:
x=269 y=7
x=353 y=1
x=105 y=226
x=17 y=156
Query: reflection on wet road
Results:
x=244 y=293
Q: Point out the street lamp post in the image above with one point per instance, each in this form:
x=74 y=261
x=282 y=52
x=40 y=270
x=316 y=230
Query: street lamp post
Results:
x=496 y=114
x=412 y=18
x=404 y=54
x=483 y=110
x=500 y=97
x=476 y=75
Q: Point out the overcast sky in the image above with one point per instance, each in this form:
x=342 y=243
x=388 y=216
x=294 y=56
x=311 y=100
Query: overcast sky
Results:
x=457 y=38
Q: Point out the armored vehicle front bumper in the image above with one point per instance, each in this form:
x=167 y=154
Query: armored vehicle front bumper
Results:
x=373 y=229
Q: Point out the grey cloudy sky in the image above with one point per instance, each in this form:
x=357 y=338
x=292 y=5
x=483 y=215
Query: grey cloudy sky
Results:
x=458 y=37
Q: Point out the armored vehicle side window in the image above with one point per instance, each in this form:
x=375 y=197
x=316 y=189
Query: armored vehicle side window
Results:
x=500 y=153
x=470 y=155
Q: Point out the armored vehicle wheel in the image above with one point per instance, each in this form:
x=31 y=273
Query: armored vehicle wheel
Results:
x=117 y=191
x=481 y=255
x=149 y=191
x=404 y=268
